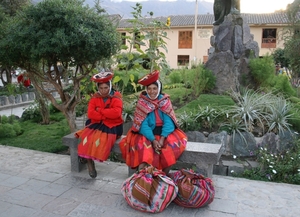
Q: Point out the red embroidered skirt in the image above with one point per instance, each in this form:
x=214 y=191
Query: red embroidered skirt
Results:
x=137 y=149
x=96 y=141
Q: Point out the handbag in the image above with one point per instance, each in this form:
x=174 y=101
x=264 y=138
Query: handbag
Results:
x=194 y=190
x=149 y=190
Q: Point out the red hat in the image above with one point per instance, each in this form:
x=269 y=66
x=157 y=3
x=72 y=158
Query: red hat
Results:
x=149 y=78
x=102 y=77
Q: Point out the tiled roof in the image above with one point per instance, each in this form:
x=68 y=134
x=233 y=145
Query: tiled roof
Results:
x=208 y=19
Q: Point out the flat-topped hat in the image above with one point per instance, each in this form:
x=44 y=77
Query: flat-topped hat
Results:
x=102 y=77
x=149 y=78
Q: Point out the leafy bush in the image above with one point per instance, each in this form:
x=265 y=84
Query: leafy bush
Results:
x=129 y=60
x=4 y=119
x=81 y=108
x=200 y=79
x=262 y=69
x=128 y=81
x=128 y=111
x=175 y=77
x=281 y=84
x=280 y=167
x=7 y=131
x=32 y=113
x=17 y=128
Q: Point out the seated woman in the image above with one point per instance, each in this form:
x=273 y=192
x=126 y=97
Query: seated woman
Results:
x=104 y=125
x=154 y=138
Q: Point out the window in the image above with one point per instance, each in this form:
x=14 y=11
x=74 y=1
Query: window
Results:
x=185 y=39
x=183 y=60
x=137 y=38
x=123 y=35
x=269 y=38
x=205 y=59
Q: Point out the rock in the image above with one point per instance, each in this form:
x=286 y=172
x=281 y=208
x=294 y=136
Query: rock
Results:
x=232 y=47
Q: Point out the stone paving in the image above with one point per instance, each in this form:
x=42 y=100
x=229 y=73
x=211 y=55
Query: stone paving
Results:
x=38 y=184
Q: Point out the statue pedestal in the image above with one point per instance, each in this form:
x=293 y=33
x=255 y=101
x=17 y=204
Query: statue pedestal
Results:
x=232 y=46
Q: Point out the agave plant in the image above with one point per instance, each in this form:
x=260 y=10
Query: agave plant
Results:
x=279 y=115
x=206 y=116
x=187 y=121
x=235 y=126
x=251 y=107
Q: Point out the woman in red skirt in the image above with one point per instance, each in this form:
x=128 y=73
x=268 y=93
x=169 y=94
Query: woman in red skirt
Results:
x=104 y=123
x=154 y=138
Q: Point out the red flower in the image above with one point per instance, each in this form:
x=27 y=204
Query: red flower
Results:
x=20 y=78
x=26 y=82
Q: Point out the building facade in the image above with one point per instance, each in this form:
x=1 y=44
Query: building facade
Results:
x=188 y=43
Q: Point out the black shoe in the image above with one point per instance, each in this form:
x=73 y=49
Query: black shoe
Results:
x=91 y=168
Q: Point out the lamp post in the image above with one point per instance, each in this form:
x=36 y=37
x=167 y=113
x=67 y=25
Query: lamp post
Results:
x=195 y=30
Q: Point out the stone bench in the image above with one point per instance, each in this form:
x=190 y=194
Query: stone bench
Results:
x=202 y=155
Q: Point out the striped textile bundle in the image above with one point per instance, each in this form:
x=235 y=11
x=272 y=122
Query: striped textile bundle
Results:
x=150 y=190
x=194 y=190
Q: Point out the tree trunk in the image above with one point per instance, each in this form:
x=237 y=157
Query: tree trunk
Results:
x=43 y=107
x=70 y=116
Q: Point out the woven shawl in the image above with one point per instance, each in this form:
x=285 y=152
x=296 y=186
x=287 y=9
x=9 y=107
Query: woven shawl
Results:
x=145 y=106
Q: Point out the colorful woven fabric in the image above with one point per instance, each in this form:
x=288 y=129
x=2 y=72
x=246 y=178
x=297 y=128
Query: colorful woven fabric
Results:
x=96 y=141
x=150 y=190
x=137 y=149
x=145 y=106
x=194 y=190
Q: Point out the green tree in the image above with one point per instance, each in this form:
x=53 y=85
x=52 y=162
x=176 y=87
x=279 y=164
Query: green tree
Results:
x=8 y=8
x=55 y=39
x=279 y=57
x=292 y=41
x=147 y=37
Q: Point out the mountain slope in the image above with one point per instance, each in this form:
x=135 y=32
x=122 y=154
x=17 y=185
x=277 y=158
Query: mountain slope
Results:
x=159 y=8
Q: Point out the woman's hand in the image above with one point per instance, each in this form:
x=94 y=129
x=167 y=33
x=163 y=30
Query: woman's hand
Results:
x=156 y=145
x=161 y=141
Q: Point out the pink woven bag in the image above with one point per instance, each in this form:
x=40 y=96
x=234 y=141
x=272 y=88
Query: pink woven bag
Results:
x=194 y=190
x=150 y=190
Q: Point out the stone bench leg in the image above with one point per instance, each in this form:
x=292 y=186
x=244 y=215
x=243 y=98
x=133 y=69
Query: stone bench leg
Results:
x=76 y=166
x=208 y=169
x=130 y=171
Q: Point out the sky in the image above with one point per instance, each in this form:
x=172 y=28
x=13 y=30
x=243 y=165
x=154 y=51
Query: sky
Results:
x=261 y=6
x=251 y=6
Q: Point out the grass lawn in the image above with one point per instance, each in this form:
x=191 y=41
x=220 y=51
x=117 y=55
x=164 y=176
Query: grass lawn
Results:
x=46 y=138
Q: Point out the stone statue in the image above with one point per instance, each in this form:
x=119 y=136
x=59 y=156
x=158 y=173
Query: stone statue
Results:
x=224 y=7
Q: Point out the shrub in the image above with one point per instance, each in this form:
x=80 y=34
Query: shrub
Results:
x=175 y=77
x=7 y=131
x=17 y=128
x=200 y=79
x=4 y=119
x=32 y=113
x=281 y=167
x=281 y=84
x=262 y=69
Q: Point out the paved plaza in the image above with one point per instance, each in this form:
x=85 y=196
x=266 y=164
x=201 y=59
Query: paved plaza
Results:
x=38 y=184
